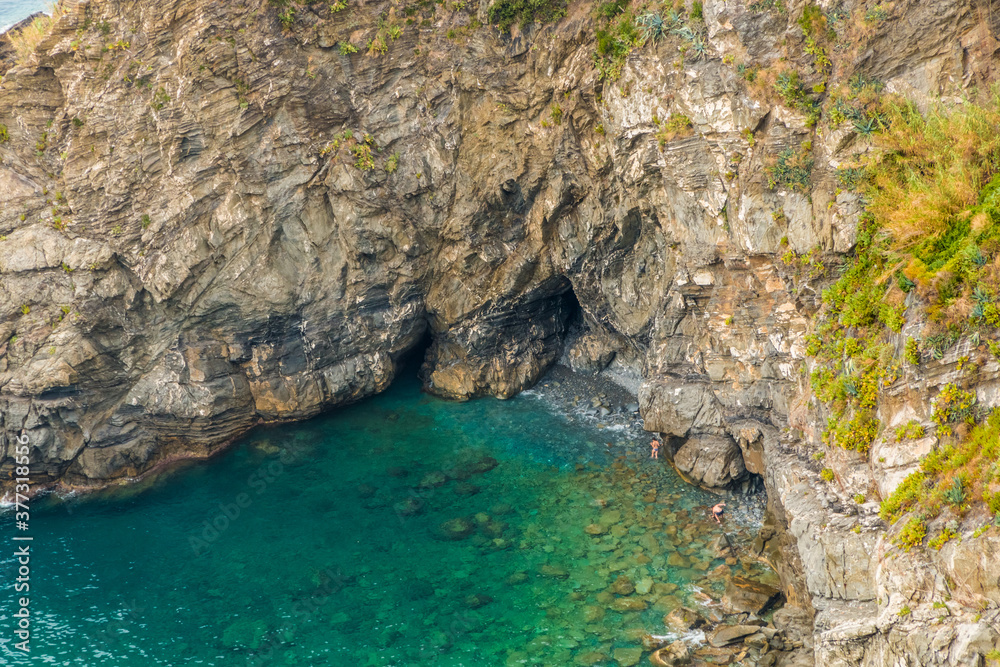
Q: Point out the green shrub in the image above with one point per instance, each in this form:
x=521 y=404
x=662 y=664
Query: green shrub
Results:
x=160 y=99
x=910 y=491
x=4 y=135
x=363 y=157
x=392 y=163
x=697 y=11
x=675 y=127
x=505 y=13
x=943 y=537
x=912 y=534
x=954 y=405
x=614 y=42
x=911 y=430
x=827 y=474
x=760 y=6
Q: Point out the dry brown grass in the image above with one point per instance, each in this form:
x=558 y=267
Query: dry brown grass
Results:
x=26 y=40
x=934 y=167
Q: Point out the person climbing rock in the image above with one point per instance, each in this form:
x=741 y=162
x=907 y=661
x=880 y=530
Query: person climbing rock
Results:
x=717 y=513
x=655 y=444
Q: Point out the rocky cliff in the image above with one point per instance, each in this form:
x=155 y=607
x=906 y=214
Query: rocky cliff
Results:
x=216 y=215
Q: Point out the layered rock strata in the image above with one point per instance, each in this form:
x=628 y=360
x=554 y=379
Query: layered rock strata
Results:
x=211 y=220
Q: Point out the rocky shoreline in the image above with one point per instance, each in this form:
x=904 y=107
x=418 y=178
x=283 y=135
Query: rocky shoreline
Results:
x=205 y=227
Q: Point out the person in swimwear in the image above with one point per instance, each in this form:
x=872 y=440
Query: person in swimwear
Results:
x=717 y=512
x=655 y=444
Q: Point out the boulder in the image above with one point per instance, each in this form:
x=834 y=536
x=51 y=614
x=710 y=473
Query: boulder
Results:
x=671 y=656
x=677 y=408
x=715 y=462
x=746 y=595
x=683 y=619
x=730 y=634
x=590 y=354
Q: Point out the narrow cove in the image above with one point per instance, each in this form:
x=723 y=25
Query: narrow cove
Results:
x=405 y=530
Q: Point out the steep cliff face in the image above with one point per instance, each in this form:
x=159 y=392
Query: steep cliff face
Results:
x=216 y=215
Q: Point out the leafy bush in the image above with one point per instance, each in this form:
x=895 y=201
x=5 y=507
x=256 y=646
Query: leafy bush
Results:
x=911 y=430
x=943 y=537
x=505 y=13
x=614 y=42
x=392 y=163
x=363 y=157
x=827 y=474
x=954 y=405
x=912 y=534
x=675 y=127
x=760 y=6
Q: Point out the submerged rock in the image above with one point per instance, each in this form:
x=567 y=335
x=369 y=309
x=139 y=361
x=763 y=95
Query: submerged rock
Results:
x=456 y=529
x=622 y=586
x=556 y=571
x=433 y=479
x=366 y=490
x=466 y=489
x=629 y=604
x=517 y=578
x=477 y=600
x=409 y=506
x=627 y=657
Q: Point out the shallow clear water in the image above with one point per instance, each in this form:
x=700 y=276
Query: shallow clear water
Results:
x=320 y=544
x=12 y=11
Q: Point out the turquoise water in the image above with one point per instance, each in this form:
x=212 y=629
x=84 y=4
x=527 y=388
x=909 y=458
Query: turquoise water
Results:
x=321 y=544
x=12 y=11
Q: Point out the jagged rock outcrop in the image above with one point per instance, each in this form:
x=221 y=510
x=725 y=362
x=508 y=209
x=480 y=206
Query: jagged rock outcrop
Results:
x=209 y=220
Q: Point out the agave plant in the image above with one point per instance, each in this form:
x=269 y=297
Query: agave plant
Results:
x=698 y=46
x=652 y=26
x=685 y=32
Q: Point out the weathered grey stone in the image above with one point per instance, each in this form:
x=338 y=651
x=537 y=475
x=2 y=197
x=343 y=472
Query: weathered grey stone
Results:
x=715 y=462
x=218 y=263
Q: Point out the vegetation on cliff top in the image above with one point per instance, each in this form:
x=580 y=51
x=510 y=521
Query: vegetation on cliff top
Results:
x=927 y=257
x=27 y=39
x=505 y=13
